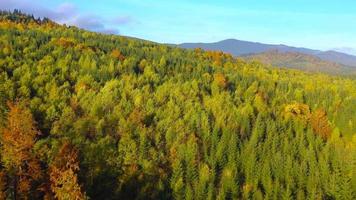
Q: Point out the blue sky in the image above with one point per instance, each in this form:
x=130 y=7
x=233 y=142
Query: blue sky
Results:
x=318 y=24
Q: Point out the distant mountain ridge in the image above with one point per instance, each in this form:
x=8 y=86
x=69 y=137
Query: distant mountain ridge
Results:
x=242 y=48
x=346 y=50
x=300 y=61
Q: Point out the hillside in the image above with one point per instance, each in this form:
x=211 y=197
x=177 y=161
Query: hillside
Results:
x=337 y=57
x=92 y=116
x=300 y=61
x=241 y=48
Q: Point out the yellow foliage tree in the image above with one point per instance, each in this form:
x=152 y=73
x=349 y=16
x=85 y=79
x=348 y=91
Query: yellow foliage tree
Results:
x=297 y=111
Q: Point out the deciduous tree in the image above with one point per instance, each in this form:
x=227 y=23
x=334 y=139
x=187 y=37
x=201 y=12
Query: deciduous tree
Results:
x=63 y=174
x=19 y=160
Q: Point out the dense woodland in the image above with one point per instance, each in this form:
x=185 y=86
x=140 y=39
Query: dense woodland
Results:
x=92 y=116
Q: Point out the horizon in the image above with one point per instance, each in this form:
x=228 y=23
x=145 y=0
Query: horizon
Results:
x=319 y=25
x=97 y=102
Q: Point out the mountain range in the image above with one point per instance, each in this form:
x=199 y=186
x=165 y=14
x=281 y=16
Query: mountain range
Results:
x=346 y=50
x=283 y=55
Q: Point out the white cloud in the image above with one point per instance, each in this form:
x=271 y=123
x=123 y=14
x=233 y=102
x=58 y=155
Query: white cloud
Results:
x=65 y=13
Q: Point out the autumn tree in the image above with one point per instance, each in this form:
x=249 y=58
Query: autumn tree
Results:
x=320 y=124
x=20 y=162
x=216 y=57
x=2 y=185
x=153 y=121
x=117 y=54
x=63 y=174
x=65 y=42
x=220 y=80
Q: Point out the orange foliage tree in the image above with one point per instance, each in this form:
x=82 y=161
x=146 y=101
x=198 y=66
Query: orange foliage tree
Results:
x=216 y=56
x=220 y=80
x=117 y=54
x=63 y=174
x=65 y=42
x=2 y=185
x=20 y=162
x=320 y=123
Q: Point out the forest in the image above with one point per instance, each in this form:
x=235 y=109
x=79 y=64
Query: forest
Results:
x=85 y=115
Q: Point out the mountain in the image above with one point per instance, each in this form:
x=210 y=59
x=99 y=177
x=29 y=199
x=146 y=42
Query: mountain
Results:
x=347 y=50
x=85 y=115
x=300 y=61
x=337 y=57
x=240 y=48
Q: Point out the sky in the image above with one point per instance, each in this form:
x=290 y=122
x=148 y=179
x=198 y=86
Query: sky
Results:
x=317 y=24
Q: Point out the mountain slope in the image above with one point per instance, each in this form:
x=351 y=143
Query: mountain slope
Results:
x=346 y=50
x=300 y=61
x=239 y=48
x=234 y=47
x=337 y=57
x=84 y=114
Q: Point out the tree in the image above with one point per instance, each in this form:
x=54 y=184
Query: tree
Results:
x=2 y=185
x=117 y=54
x=153 y=121
x=63 y=174
x=19 y=160
x=320 y=124
x=220 y=80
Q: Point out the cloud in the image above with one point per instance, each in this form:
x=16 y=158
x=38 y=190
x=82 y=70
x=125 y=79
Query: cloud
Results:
x=66 y=13
x=61 y=13
x=90 y=22
x=93 y=23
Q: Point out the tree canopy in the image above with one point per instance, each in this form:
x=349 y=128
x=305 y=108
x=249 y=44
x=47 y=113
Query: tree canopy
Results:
x=92 y=116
